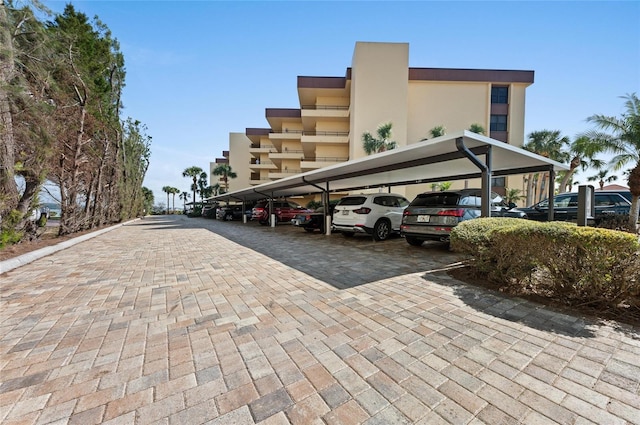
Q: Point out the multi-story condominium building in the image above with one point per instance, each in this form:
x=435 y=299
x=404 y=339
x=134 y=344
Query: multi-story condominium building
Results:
x=379 y=88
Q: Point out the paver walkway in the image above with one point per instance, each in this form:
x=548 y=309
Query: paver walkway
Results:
x=171 y=320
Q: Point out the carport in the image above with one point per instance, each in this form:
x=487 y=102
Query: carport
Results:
x=460 y=156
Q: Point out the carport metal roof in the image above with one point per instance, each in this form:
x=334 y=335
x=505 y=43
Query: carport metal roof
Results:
x=459 y=156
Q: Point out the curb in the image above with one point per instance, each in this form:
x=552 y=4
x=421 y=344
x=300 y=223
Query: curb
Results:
x=21 y=260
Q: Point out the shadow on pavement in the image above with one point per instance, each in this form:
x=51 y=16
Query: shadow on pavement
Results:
x=339 y=261
x=350 y=262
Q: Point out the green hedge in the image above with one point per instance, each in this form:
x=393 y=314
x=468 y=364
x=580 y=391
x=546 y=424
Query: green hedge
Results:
x=573 y=264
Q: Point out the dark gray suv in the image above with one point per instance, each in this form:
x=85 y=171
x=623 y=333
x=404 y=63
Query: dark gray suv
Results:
x=565 y=206
x=432 y=215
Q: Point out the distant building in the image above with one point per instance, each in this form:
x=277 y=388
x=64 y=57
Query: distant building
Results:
x=379 y=87
x=613 y=187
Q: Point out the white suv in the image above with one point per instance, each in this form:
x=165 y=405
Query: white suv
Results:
x=376 y=214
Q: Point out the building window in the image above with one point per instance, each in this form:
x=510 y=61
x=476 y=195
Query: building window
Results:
x=499 y=94
x=498 y=182
x=498 y=123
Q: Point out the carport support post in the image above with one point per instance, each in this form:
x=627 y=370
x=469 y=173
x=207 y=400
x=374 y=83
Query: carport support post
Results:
x=485 y=207
x=327 y=211
x=272 y=213
x=486 y=186
x=244 y=215
x=551 y=193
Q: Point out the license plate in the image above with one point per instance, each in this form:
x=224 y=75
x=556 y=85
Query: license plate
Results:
x=423 y=218
x=345 y=212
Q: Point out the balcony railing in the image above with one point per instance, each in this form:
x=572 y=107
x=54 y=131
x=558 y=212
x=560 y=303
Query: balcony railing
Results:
x=326 y=107
x=312 y=133
x=326 y=133
x=286 y=130
x=328 y=159
x=261 y=146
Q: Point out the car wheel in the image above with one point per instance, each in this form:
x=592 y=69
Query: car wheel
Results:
x=347 y=234
x=381 y=230
x=228 y=217
x=264 y=223
x=413 y=241
x=309 y=229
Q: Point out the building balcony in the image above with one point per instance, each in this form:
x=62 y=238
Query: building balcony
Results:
x=321 y=112
x=262 y=165
x=280 y=174
x=287 y=154
x=262 y=149
x=285 y=134
x=331 y=137
x=321 y=162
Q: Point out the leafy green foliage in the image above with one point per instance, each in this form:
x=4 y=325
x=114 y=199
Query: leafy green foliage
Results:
x=380 y=144
x=477 y=128
x=620 y=136
x=225 y=172
x=63 y=91
x=438 y=131
x=576 y=265
x=512 y=196
x=192 y=172
x=313 y=205
x=9 y=235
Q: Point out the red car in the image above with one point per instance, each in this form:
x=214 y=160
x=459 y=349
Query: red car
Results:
x=284 y=211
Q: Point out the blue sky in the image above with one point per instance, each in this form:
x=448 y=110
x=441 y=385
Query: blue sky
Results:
x=198 y=70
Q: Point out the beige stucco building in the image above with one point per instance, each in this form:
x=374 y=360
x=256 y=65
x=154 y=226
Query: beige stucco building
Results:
x=379 y=87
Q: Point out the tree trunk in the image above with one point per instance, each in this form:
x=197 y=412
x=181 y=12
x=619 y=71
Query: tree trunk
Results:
x=634 y=187
x=98 y=213
x=541 y=190
x=70 y=222
x=530 y=186
x=8 y=189
x=31 y=188
x=573 y=166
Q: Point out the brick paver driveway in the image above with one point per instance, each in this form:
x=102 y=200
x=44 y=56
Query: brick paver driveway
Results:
x=171 y=320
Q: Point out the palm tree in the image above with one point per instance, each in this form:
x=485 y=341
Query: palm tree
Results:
x=380 y=144
x=436 y=131
x=167 y=190
x=621 y=137
x=174 y=192
x=147 y=195
x=582 y=152
x=549 y=144
x=568 y=183
x=477 y=128
x=202 y=186
x=215 y=189
x=184 y=196
x=512 y=196
x=603 y=177
x=193 y=172
x=225 y=172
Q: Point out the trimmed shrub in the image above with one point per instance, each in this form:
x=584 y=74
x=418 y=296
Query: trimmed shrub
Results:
x=571 y=263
